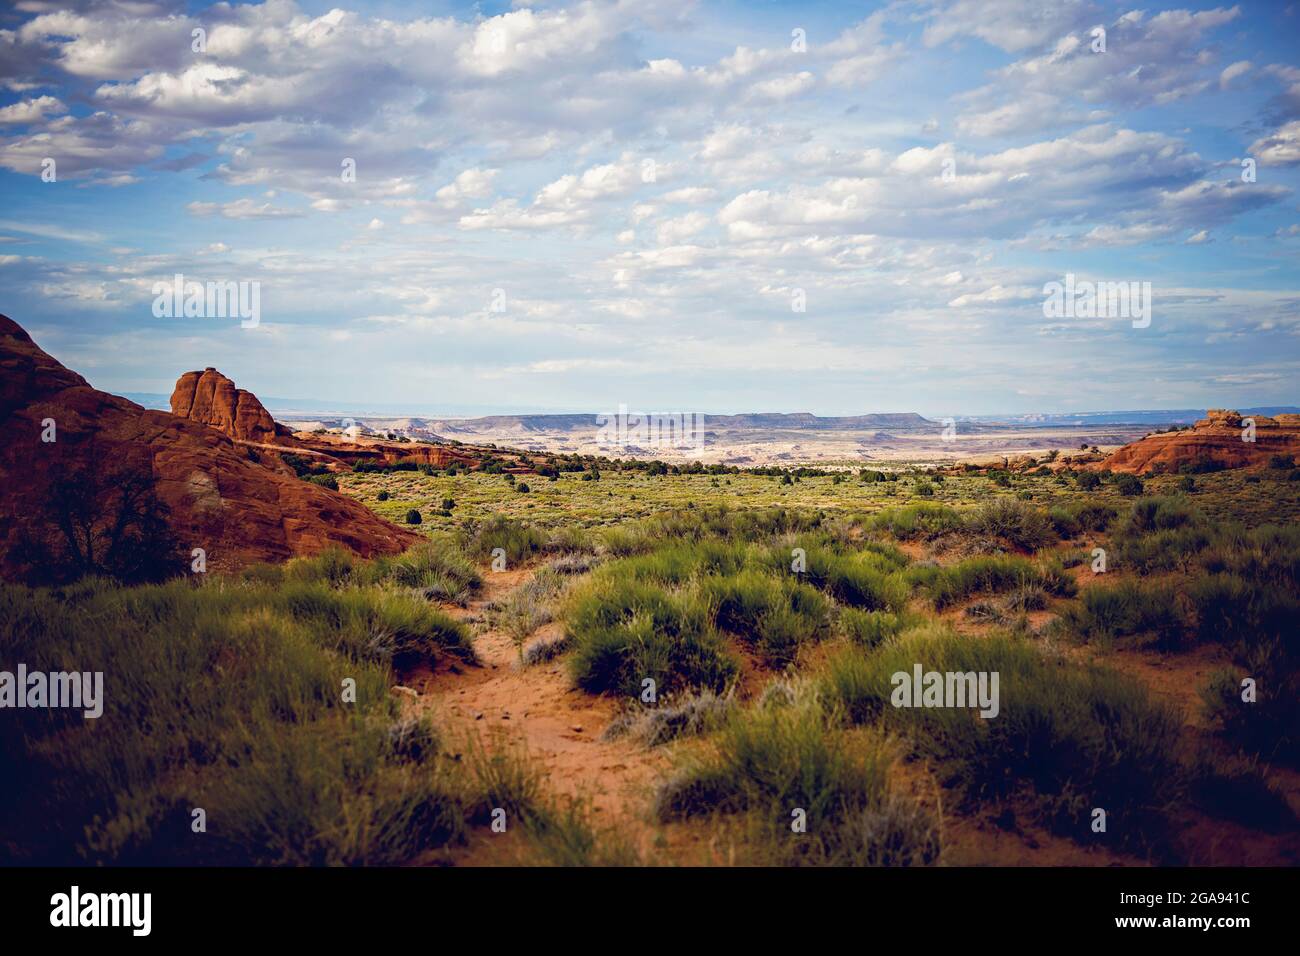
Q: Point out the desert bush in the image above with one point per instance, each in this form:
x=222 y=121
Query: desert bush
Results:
x=437 y=569
x=102 y=520
x=774 y=615
x=996 y=573
x=413 y=516
x=528 y=607
x=1066 y=739
x=1126 y=609
x=545 y=650
x=377 y=625
x=294 y=774
x=626 y=631
x=690 y=715
x=1268 y=726
x=922 y=520
x=1020 y=525
x=1257 y=622
x=864 y=579
x=770 y=761
x=519 y=540
x=1159 y=513
x=1128 y=485
x=870 y=628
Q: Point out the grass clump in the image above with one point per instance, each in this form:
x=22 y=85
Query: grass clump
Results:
x=671 y=719
x=626 y=631
x=1126 y=609
x=1066 y=739
x=228 y=697
x=1020 y=525
x=994 y=574
x=920 y=520
x=805 y=792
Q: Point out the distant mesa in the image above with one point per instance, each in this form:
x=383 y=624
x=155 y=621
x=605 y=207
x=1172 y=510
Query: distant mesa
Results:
x=212 y=494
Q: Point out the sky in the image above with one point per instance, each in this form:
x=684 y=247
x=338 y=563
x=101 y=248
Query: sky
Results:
x=676 y=206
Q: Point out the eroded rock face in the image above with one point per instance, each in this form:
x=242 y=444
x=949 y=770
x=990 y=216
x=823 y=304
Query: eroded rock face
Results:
x=380 y=452
x=217 y=498
x=1219 y=438
x=208 y=397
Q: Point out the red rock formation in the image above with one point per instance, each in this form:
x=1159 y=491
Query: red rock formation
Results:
x=217 y=498
x=385 y=452
x=1217 y=438
x=210 y=398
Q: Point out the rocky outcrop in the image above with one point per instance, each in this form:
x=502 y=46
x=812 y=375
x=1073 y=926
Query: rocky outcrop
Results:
x=208 y=397
x=1223 y=439
x=385 y=452
x=214 y=496
x=211 y=399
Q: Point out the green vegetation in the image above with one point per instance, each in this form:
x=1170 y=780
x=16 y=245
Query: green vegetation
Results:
x=232 y=698
x=766 y=610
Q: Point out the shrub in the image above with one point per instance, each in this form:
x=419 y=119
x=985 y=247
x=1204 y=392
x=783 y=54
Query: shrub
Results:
x=922 y=520
x=773 y=615
x=519 y=541
x=382 y=496
x=691 y=715
x=1067 y=739
x=995 y=573
x=1020 y=525
x=870 y=628
x=295 y=775
x=627 y=631
x=1127 y=608
x=325 y=481
x=1269 y=726
x=437 y=569
x=101 y=520
x=1128 y=485
x=864 y=580
x=413 y=516
x=771 y=760
x=1087 y=481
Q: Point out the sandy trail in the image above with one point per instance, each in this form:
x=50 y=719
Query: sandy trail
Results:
x=559 y=725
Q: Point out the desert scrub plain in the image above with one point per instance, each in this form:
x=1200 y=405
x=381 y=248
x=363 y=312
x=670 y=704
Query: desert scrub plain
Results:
x=502 y=672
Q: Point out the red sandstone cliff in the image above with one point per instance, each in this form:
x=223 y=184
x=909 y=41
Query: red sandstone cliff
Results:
x=1218 y=438
x=216 y=498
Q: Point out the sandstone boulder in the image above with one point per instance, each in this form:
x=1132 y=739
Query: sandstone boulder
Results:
x=210 y=398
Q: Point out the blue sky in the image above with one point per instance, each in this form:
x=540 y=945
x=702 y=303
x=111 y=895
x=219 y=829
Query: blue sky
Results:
x=652 y=186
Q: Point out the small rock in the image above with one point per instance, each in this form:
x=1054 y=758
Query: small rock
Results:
x=577 y=728
x=478 y=715
x=405 y=691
